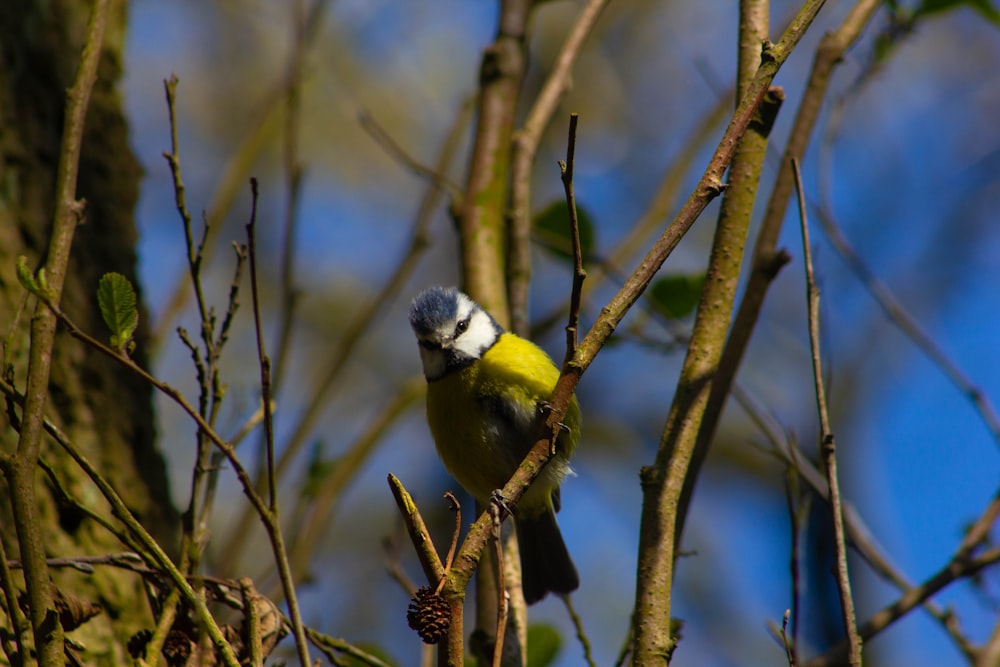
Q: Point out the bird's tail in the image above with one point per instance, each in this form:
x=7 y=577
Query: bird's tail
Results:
x=545 y=563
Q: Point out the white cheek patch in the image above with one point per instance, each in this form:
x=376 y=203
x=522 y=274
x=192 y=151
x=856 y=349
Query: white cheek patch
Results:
x=465 y=305
x=479 y=337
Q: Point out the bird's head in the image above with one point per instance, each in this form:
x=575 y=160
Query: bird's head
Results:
x=453 y=330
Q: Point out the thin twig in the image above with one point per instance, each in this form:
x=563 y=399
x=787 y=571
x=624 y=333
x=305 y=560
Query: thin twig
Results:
x=579 y=274
x=525 y=147
x=292 y=167
x=384 y=139
x=581 y=634
x=798 y=512
x=239 y=164
x=327 y=643
x=262 y=358
x=503 y=598
x=341 y=353
x=272 y=520
x=434 y=569
x=456 y=507
x=121 y=510
x=955 y=570
x=906 y=323
x=827 y=441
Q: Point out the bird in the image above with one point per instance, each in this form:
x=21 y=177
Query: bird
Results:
x=485 y=390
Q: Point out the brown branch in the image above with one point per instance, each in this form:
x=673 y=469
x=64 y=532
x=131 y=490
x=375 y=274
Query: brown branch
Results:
x=664 y=482
x=356 y=328
x=124 y=514
x=272 y=522
x=237 y=168
x=316 y=520
x=48 y=633
x=525 y=147
x=898 y=315
x=956 y=569
x=292 y=167
x=827 y=442
x=481 y=227
x=497 y=512
x=858 y=534
x=579 y=274
x=767 y=258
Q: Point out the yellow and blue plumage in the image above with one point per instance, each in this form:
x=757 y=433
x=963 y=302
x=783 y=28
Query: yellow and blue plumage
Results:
x=485 y=388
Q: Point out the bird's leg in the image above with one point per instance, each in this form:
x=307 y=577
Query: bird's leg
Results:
x=544 y=407
x=498 y=500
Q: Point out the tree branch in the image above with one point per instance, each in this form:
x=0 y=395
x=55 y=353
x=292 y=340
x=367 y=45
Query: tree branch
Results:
x=828 y=447
x=48 y=633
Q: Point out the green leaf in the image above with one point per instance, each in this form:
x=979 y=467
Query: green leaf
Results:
x=544 y=643
x=116 y=299
x=318 y=470
x=677 y=295
x=551 y=227
x=24 y=275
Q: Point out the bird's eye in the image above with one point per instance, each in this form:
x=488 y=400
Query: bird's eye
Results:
x=461 y=327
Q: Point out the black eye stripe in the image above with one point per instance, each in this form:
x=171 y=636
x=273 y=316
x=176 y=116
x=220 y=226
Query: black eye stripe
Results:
x=462 y=327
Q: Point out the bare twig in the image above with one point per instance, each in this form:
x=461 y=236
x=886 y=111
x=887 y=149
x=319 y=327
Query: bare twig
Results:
x=313 y=521
x=525 y=147
x=122 y=512
x=906 y=323
x=827 y=442
x=768 y=259
x=359 y=324
x=456 y=507
x=236 y=170
x=262 y=358
x=292 y=167
x=382 y=137
x=329 y=644
x=434 y=569
x=496 y=512
x=272 y=521
x=255 y=649
x=798 y=512
x=581 y=634
x=956 y=569
x=579 y=274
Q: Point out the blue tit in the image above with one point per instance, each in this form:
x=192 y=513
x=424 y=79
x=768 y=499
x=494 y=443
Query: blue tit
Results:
x=485 y=388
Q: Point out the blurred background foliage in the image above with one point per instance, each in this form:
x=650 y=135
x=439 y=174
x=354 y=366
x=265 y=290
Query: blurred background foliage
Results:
x=906 y=158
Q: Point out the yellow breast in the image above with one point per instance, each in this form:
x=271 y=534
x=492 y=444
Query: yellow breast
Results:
x=481 y=418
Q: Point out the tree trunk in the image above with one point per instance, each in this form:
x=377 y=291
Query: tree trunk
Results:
x=106 y=411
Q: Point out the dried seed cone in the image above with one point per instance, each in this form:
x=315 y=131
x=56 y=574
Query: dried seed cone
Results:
x=428 y=615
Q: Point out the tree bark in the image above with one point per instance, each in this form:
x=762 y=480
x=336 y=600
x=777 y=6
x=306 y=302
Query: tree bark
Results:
x=106 y=412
